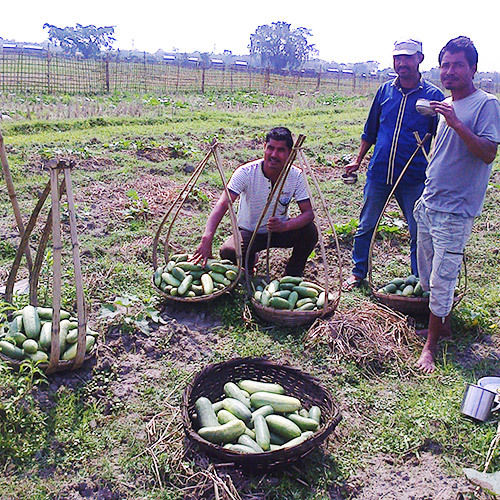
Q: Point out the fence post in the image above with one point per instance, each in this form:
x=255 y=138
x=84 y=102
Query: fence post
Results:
x=353 y=82
x=106 y=68
x=203 y=80
x=267 y=82
x=318 y=82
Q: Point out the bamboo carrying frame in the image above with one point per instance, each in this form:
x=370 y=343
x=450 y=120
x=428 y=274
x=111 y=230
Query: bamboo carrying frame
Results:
x=52 y=224
x=417 y=307
x=177 y=205
x=281 y=316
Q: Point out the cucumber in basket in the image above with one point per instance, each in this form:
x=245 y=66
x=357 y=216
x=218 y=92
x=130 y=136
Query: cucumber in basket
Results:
x=191 y=280
x=273 y=415
x=29 y=335
x=292 y=293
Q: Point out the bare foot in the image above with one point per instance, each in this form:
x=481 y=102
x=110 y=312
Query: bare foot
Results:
x=426 y=361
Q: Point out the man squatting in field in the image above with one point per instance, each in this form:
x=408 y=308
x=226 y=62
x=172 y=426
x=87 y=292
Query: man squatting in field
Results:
x=457 y=177
x=391 y=124
x=253 y=182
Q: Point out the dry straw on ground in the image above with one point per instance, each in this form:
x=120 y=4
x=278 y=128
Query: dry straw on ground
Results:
x=370 y=335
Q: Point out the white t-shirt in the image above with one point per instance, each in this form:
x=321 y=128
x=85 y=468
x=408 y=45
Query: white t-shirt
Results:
x=254 y=188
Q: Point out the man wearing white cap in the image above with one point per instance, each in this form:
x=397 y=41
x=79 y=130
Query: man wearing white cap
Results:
x=391 y=126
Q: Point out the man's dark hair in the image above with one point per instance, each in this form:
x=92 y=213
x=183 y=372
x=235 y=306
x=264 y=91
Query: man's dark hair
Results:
x=461 y=44
x=280 y=134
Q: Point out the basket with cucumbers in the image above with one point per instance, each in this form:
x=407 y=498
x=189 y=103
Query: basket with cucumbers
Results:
x=28 y=335
x=183 y=281
x=406 y=295
x=257 y=413
x=291 y=301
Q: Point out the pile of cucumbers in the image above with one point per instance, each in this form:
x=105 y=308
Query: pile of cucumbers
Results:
x=407 y=287
x=29 y=334
x=291 y=293
x=255 y=417
x=182 y=278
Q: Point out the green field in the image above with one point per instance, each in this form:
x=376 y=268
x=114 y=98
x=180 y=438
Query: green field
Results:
x=113 y=429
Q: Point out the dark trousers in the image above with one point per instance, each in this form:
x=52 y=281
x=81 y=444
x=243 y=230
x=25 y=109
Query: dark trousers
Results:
x=302 y=241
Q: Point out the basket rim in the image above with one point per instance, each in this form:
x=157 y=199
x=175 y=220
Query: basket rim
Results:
x=62 y=364
x=276 y=457
x=201 y=298
x=294 y=313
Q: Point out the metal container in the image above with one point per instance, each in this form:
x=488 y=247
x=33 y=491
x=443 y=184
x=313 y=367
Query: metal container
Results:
x=423 y=106
x=477 y=402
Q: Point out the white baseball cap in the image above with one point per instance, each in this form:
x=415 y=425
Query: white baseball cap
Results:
x=407 y=47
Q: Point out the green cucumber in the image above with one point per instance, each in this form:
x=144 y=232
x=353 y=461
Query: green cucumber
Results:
x=263 y=410
x=217 y=267
x=279 y=402
x=278 y=303
x=31 y=322
x=284 y=294
x=219 y=278
x=407 y=291
x=70 y=353
x=262 y=436
x=291 y=279
x=306 y=307
x=315 y=413
x=306 y=300
x=240 y=448
x=283 y=426
x=273 y=286
x=178 y=273
x=292 y=300
x=238 y=409
x=207 y=283
x=185 y=285
x=252 y=386
x=298 y=440
x=170 y=279
x=30 y=346
x=224 y=433
x=305 y=291
x=38 y=356
x=265 y=298
x=305 y=423
x=248 y=441
x=157 y=277
x=206 y=413
x=11 y=350
x=231 y=275
x=189 y=266
x=180 y=257
x=231 y=390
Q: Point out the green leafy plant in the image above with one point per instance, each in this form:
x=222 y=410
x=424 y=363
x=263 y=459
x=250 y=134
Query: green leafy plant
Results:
x=132 y=312
x=138 y=208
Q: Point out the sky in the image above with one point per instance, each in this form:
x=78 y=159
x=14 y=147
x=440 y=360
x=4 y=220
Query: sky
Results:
x=345 y=32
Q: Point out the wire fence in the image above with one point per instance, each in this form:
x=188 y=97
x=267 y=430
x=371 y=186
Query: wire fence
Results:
x=25 y=70
x=47 y=73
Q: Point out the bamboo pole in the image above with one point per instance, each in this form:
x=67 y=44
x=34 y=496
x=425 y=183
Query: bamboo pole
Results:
x=55 y=346
x=80 y=298
x=13 y=198
x=420 y=145
x=9 y=288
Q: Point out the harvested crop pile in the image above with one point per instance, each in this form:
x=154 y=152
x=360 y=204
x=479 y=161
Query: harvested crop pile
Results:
x=370 y=335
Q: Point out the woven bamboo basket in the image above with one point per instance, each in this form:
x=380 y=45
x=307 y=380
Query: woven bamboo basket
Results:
x=52 y=227
x=285 y=317
x=210 y=381
x=175 y=208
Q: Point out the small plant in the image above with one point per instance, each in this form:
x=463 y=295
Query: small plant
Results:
x=129 y=310
x=137 y=209
x=348 y=229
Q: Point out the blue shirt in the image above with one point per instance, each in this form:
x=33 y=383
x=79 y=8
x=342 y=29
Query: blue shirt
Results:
x=391 y=124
